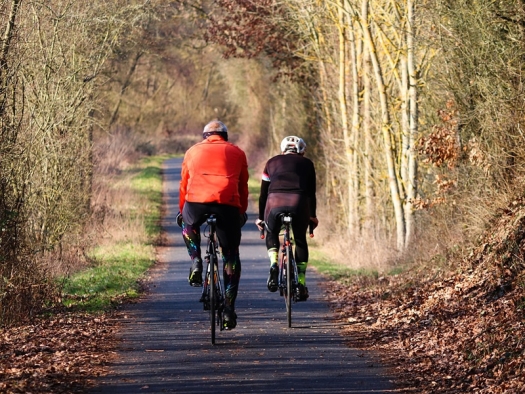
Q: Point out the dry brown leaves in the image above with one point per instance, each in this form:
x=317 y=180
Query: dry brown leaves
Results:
x=61 y=354
x=452 y=332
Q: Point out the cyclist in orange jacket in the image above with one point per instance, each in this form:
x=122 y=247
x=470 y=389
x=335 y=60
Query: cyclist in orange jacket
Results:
x=214 y=179
x=288 y=185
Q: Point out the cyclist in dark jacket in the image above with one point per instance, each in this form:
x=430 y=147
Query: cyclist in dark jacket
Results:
x=288 y=184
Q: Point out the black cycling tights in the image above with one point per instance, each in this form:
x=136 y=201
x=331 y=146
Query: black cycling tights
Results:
x=297 y=206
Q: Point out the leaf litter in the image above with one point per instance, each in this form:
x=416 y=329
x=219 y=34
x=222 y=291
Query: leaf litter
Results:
x=59 y=354
x=457 y=330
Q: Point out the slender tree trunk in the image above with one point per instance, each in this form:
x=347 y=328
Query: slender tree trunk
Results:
x=385 y=130
x=355 y=52
x=344 y=116
x=328 y=122
x=273 y=129
x=125 y=85
x=405 y=126
x=8 y=34
x=368 y=164
x=4 y=51
x=413 y=123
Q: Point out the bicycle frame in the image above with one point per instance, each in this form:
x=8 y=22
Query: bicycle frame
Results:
x=212 y=292
x=288 y=276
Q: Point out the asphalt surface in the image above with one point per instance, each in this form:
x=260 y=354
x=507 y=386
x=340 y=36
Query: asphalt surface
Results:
x=166 y=344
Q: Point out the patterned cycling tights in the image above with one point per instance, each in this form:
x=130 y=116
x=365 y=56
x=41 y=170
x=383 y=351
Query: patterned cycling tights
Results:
x=230 y=258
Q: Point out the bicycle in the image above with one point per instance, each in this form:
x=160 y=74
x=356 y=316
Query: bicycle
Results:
x=212 y=291
x=288 y=275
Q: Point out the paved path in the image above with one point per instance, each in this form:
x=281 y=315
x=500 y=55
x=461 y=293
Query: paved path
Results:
x=166 y=342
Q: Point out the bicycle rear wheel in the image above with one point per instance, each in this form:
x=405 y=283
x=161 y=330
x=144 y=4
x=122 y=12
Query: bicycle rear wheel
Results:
x=213 y=294
x=219 y=298
x=289 y=290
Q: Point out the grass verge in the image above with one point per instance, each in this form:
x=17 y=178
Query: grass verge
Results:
x=121 y=258
x=335 y=271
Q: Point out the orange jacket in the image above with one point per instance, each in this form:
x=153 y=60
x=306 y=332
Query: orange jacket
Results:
x=214 y=170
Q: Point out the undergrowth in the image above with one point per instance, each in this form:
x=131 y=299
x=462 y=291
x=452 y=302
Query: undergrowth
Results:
x=130 y=230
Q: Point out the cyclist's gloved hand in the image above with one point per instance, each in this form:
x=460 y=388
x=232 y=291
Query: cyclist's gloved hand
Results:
x=179 y=219
x=260 y=224
x=314 y=222
x=243 y=218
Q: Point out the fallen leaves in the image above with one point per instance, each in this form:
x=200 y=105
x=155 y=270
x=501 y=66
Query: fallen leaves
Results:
x=457 y=331
x=59 y=354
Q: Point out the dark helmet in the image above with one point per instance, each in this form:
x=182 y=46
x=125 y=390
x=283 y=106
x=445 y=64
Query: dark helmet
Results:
x=215 y=127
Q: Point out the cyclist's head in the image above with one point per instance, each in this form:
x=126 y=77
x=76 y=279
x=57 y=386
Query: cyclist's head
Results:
x=293 y=144
x=215 y=127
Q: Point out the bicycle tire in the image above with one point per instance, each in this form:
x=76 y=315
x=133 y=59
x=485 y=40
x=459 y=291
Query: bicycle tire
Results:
x=220 y=312
x=219 y=297
x=289 y=289
x=213 y=293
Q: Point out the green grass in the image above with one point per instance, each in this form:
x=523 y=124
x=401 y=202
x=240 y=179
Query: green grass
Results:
x=118 y=267
x=335 y=270
x=114 y=276
x=148 y=182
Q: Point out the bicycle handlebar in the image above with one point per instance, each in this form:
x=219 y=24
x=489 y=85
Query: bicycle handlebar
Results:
x=261 y=231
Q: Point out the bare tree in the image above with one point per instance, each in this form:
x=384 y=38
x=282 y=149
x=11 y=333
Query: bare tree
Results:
x=50 y=71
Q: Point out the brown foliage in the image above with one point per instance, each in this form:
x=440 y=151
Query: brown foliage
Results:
x=55 y=355
x=449 y=330
x=249 y=28
x=441 y=146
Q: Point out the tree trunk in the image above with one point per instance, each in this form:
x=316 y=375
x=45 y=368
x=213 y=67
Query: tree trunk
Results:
x=344 y=117
x=368 y=164
x=125 y=85
x=413 y=124
x=6 y=42
x=355 y=50
x=328 y=123
x=386 y=131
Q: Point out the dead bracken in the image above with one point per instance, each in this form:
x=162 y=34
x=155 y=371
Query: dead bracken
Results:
x=451 y=330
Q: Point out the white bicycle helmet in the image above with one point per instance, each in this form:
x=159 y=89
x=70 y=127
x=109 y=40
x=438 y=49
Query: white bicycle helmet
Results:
x=293 y=144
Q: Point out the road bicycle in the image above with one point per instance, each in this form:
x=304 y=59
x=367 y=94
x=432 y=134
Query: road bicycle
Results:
x=288 y=279
x=212 y=290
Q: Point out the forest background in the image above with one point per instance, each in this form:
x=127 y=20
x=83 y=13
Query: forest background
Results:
x=411 y=110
